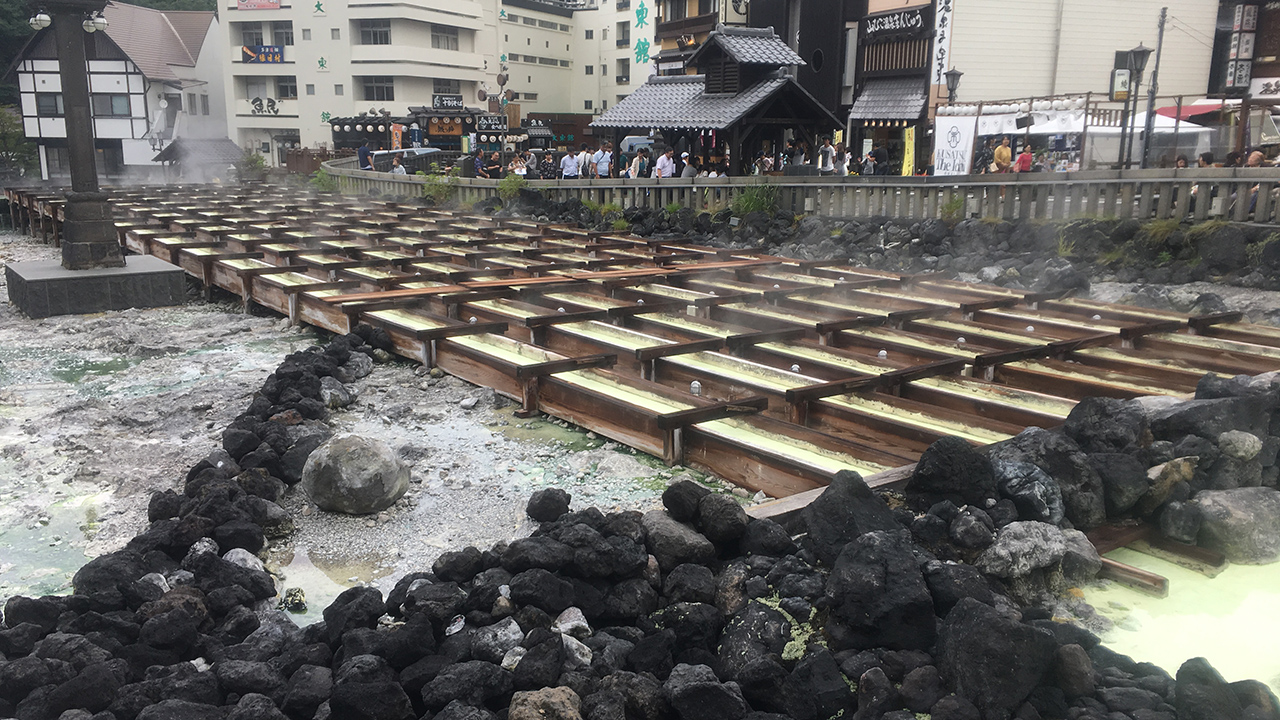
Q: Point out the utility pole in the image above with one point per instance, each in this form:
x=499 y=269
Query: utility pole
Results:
x=1152 y=88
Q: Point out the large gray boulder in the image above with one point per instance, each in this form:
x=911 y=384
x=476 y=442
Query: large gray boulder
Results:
x=1021 y=547
x=1242 y=524
x=354 y=475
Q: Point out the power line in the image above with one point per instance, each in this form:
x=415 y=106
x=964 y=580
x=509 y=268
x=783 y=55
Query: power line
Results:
x=1193 y=37
x=1190 y=29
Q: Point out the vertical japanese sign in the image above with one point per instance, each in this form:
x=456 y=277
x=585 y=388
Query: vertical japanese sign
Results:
x=642 y=43
x=397 y=136
x=942 y=41
x=953 y=144
x=1240 y=56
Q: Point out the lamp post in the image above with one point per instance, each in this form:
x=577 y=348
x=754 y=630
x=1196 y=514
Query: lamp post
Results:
x=1137 y=63
x=89 y=236
x=1152 y=89
x=953 y=84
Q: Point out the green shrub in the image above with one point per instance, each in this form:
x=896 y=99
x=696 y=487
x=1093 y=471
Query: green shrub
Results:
x=610 y=209
x=510 y=186
x=953 y=210
x=439 y=189
x=1066 y=248
x=1156 y=232
x=591 y=205
x=1164 y=258
x=673 y=207
x=323 y=182
x=760 y=197
x=621 y=225
x=1205 y=229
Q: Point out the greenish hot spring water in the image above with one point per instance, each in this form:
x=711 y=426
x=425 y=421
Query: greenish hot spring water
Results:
x=1229 y=620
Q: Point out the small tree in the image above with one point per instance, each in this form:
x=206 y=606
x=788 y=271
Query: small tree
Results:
x=17 y=154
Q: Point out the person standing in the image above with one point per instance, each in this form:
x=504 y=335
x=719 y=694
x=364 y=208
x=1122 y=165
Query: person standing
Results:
x=1025 y=160
x=584 y=162
x=547 y=168
x=666 y=165
x=602 y=161
x=493 y=168
x=364 y=156
x=842 y=161
x=826 y=158
x=640 y=164
x=690 y=168
x=869 y=163
x=569 y=166
x=1003 y=156
x=984 y=160
x=479 y=164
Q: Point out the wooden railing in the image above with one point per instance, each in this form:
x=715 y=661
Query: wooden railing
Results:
x=1193 y=195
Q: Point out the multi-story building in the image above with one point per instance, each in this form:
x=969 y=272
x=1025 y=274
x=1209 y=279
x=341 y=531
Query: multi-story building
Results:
x=683 y=26
x=295 y=67
x=154 y=76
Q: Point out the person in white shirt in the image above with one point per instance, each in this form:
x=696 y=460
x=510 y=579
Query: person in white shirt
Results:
x=396 y=167
x=826 y=158
x=666 y=165
x=690 y=168
x=602 y=161
x=569 y=166
x=584 y=162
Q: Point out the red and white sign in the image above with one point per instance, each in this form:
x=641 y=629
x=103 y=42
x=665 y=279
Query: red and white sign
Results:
x=257 y=4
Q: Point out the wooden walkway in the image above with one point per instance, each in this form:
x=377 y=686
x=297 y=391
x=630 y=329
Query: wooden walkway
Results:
x=770 y=372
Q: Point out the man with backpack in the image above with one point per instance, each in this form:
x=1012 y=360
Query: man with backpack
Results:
x=584 y=162
x=602 y=161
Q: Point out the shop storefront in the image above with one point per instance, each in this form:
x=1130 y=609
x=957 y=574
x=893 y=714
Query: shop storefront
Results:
x=890 y=103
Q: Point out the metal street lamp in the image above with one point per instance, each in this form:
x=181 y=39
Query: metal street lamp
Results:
x=1137 y=63
x=40 y=20
x=953 y=84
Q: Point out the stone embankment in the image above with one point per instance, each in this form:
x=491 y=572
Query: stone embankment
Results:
x=881 y=606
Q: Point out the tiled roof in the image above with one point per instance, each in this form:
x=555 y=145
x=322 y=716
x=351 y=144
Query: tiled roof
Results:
x=154 y=41
x=890 y=99
x=751 y=46
x=196 y=151
x=677 y=101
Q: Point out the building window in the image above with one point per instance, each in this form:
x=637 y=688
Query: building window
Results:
x=282 y=32
x=506 y=38
x=204 y=104
x=564 y=63
x=591 y=34
x=604 y=104
x=528 y=41
x=531 y=96
x=286 y=87
x=447 y=87
x=529 y=21
x=379 y=88
x=676 y=10
x=375 y=32
x=564 y=28
x=251 y=34
x=49 y=104
x=591 y=69
x=513 y=17
x=311 y=89
x=586 y=104
x=706 y=7
x=337 y=90
x=306 y=33
x=335 y=34
x=604 y=69
x=110 y=105
x=191 y=103
x=444 y=37
x=548 y=25
x=255 y=87
x=623 y=34
x=604 y=34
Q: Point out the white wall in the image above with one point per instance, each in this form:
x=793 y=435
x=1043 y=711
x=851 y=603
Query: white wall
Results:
x=211 y=69
x=1044 y=47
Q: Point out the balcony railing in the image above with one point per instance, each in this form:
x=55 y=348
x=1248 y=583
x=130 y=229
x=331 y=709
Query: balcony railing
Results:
x=687 y=26
x=622 y=79
x=624 y=41
x=623 y=5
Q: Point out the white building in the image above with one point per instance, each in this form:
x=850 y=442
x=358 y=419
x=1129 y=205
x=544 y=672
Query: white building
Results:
x=154 y=76
x=294 y=67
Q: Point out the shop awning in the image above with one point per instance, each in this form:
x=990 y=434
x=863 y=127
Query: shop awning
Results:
x=538 y=131
x=890 y=99
x=1189 y=111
